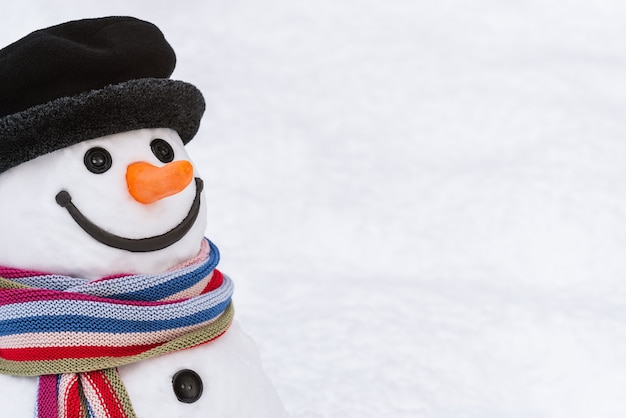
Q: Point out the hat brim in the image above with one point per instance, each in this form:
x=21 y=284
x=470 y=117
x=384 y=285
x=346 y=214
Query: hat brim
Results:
x=135 y=104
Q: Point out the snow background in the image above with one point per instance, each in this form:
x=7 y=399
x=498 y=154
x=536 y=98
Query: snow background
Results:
x=422 y=203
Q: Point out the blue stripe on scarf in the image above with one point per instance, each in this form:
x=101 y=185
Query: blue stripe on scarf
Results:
x=145 y=287
x=118 y=311
x=80 y=323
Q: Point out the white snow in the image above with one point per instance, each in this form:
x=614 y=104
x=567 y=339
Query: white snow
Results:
x=422 y=203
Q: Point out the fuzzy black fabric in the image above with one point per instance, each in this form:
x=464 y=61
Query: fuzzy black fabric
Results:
x=89 y=78
x=79 y=56
x=135 y=104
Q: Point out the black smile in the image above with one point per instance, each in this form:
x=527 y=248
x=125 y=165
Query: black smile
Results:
x=139 y=245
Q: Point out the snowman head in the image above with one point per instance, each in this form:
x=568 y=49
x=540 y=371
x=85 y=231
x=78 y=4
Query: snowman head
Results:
x=94 y=176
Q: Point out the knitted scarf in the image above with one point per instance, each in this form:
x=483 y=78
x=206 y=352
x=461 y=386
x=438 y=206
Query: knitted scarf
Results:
x=73 y=333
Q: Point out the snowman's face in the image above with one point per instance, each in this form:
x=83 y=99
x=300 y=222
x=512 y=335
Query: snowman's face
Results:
x=124 y=203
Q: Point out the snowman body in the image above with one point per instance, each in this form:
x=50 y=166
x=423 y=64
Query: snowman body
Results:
x=40 y=234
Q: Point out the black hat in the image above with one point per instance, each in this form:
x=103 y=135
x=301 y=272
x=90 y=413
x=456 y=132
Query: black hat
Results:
x=86 y=79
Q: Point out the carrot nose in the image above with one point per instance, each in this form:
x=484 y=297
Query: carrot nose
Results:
x=148 y=183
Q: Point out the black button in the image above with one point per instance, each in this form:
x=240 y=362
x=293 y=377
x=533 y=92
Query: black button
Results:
x=97 y=160
x=162 y=150
x=187 y=386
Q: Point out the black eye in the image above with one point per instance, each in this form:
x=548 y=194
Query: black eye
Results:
x=162 y=150
x=187 y=386
x=97 y=160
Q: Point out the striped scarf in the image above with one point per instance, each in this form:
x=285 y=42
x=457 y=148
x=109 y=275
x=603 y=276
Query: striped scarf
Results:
x=73 y=333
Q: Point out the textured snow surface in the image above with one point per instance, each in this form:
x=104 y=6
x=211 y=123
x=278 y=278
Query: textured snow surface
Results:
x=422 y=203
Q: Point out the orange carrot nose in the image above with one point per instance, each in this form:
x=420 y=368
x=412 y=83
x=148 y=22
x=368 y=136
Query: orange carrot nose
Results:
x=148 y=183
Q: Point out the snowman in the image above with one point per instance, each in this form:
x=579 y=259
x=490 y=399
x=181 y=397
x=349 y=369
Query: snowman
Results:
x=111 y=304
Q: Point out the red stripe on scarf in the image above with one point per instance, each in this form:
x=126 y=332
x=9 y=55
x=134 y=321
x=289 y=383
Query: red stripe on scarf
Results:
x=71 y=400
x=106 y=394
x=17 y=296
x=215 y=282
x=77 y=352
